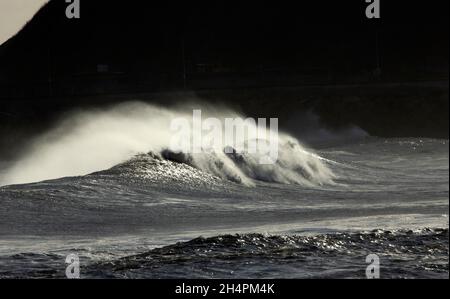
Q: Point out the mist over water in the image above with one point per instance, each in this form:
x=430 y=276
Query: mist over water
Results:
x=89 y=141
x=95 y=140
x=133 y=197
x=388 y=196
x=134 y=189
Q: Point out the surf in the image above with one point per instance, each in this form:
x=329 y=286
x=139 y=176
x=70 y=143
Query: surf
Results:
x=89 y=141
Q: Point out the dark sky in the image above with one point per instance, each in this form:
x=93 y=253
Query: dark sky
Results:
x=166 y=45
x=160 y=39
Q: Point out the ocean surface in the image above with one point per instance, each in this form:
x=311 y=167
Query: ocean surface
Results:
x=318 y=214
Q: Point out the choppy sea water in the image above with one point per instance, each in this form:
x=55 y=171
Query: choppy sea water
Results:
x=154 y=218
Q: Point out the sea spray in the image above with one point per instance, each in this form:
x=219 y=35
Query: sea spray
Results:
x=95 y=140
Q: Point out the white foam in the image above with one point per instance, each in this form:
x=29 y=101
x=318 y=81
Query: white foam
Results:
x=95 y=140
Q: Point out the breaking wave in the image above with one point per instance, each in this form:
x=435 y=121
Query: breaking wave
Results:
x=96 y=140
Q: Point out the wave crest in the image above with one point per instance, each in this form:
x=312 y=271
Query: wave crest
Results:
x=92 y=141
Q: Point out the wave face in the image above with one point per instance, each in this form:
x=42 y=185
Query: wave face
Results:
x=91 y=141
x=403 y=254
x=255 y=256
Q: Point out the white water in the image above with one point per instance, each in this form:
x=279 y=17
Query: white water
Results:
x=90 y=141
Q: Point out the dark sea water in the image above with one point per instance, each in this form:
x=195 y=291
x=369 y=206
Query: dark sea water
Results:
x=153 y=218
